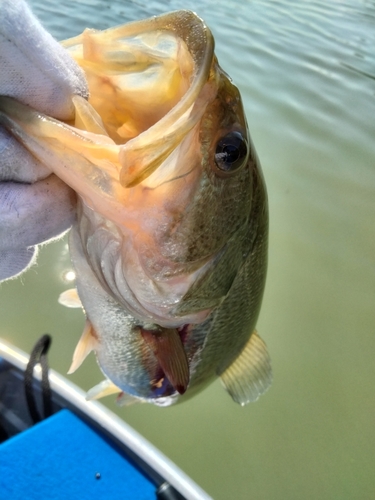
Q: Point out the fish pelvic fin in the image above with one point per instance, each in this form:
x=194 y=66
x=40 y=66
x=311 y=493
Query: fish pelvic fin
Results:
x=70 y=298
x=104 y=388
x=124 y=399
x=250 y=374
x=168 y=349
x=87 y=343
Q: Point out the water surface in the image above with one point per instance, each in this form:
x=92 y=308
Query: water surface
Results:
x=306 y=70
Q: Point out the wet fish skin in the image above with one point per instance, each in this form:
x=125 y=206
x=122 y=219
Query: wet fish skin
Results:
x=170 y=249
x=234 y=287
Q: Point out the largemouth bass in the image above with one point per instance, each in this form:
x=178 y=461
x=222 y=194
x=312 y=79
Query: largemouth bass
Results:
x=170 y=242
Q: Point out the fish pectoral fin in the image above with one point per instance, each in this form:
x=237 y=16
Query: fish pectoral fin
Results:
x=104 y=388
x=168 y=349
x=87 y=343
x=70 y=298
x=250 y=374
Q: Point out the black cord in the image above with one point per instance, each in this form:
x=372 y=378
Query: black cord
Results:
x=38 y=355
x=167 y=492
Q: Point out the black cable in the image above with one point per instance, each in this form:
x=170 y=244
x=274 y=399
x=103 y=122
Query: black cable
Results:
x=167 y=492
x=38 y=355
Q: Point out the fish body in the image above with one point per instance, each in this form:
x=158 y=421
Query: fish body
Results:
x=170 y=242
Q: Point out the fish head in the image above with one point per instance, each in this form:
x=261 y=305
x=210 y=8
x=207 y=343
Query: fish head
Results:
x=181 y=187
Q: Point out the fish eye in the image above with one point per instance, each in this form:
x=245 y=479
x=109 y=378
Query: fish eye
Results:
x=231 y=151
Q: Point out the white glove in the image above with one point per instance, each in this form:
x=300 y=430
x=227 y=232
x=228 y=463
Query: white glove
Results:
x=35 y=205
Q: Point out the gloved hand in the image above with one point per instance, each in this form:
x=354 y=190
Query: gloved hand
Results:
x=35 y=205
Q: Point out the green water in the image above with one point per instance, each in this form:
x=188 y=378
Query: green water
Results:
x=306 y=71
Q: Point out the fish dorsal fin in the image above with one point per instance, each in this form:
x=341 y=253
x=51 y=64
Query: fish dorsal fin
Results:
x=250 y=374
x=70 y=298
x=87 y=343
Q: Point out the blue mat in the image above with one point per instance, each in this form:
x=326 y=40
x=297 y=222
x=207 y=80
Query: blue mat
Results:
x=63 y=458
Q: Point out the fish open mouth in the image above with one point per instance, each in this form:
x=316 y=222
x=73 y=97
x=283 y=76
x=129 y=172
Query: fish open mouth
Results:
x=123 y=64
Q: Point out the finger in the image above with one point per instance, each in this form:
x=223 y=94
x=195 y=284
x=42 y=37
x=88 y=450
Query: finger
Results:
x=34 y=68
x=13 y=262
x=16 y=163
x=34 y=213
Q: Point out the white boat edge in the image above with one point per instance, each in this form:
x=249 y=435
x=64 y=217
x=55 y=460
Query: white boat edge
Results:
x=111 y=424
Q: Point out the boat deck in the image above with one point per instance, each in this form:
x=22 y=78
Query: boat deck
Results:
x=83 y=450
